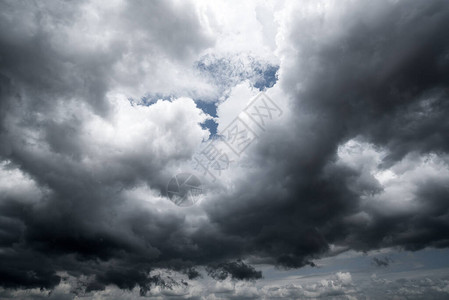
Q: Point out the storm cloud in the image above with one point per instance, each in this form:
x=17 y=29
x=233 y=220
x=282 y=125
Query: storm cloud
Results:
x=359 y=160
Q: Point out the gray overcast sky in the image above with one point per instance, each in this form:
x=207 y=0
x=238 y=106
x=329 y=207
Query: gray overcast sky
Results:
x=332 y=183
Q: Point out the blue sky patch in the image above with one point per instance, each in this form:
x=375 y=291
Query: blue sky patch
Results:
x=209 y=108
x=227 y=72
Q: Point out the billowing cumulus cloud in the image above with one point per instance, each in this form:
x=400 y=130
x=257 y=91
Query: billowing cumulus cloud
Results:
x=102 y=103
x=354 y=77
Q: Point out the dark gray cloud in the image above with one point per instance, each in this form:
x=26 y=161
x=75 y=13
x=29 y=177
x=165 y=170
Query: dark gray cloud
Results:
x=376 y=74
x=236 y=270
x=384 y=76
x=381 y=261
x=380 y=75
x=48 y=84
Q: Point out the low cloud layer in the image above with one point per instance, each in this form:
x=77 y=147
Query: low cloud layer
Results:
x=340 y=285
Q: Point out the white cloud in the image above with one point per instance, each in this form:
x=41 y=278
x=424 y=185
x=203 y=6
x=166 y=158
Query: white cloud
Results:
x=399 y=183
x=17 y=185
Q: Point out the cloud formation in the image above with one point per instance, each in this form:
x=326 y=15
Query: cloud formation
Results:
x=359 y=160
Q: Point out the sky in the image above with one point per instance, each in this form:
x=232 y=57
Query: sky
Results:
x=224 y=150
